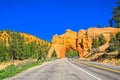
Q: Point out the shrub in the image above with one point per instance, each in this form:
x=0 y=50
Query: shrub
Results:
x=118 y=36
x=72 y=53
x=95 y=43
x=101 y=40
x=98 y=41
x=54 y=54
x=114 y=43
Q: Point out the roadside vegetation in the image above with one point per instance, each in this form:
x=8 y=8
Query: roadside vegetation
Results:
x=72 y=54
x=13 y=46
x=98 y=41
x=12 y=70
x=114 y=43
x=113 y=51
x=16 y=47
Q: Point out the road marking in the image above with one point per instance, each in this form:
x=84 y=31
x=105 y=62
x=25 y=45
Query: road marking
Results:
x=108 y=69
x=84 y=71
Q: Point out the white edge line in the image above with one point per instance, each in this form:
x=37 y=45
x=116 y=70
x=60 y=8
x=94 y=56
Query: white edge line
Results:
x=84 y=71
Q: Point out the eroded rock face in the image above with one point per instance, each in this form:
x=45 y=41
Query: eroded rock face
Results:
x=81 y=41
x=85 y=37
x=63 y=43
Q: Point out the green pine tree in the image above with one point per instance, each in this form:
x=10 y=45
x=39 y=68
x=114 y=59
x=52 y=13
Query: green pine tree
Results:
x=114 y=44
x=13 y=46
x=118 y=36
x=115 y=20
x=32 y=47
x=20 y=46
x=95 y=43
x=3 y=52
x=101 y=40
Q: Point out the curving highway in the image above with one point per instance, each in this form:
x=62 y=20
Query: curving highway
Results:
x=65 y=69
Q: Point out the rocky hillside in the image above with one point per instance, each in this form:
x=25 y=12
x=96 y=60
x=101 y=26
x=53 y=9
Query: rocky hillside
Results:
x=5 y=35
x=82 y=42
x=85 y=37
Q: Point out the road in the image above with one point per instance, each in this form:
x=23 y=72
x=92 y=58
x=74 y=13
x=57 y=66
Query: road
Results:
x=64 y=69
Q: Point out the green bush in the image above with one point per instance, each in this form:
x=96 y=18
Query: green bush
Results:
x=71 y=54
x=8 y=71
x=95 y=43
x=12 y=70
x=101 y=40
x=54 y=54
x=118 y=36
x=98 y=41
x=114 y=43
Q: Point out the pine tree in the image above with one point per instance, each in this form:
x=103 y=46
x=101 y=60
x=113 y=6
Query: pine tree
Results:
x=32 y=47
x=20 y=47
x=118 y=36
x=95 y=43
x=101 y=40
x=114 y=43
x=13 y=46
x=42 y=51
x=3 y=52
x=27 y=51
x=99 y=26
x=115 y=20
x=118 y=40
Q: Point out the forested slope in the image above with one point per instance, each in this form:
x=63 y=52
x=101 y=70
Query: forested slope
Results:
x=20 y=46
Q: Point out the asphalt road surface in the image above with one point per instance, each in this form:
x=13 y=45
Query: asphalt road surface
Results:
x=64 y=69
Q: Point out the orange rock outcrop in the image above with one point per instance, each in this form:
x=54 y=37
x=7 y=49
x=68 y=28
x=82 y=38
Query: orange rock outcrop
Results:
x=85 y=38
x=81 y=41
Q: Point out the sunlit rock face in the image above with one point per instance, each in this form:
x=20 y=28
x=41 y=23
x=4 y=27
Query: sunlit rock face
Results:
x=81 y=41
x=85 y=38
x=5 y=36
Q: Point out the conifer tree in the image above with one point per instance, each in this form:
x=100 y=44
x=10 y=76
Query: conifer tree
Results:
x=18 y=49
x=115 y=20
x=114 y=43
x=27 y=51
x=101 y=40
x=13 y=46
x=95 y=42
x=3 y=52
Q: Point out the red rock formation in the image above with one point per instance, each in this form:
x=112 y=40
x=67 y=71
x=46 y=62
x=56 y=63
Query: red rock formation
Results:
x=85 y=37
x=63 y=43
x=81 y=41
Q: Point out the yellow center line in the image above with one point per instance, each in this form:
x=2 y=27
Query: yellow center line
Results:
x=108 y=69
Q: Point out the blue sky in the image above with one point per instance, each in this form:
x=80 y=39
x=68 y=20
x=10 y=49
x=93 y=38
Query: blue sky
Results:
x=44 y=18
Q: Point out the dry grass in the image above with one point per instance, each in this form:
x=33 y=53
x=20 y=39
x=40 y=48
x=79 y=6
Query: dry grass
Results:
x=112 y=61
x=18 y=63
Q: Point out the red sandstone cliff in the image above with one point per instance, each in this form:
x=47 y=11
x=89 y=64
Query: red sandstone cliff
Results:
x=81 y=41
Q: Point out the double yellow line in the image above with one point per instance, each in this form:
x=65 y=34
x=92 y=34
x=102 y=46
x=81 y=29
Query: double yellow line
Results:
x=100 y=67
